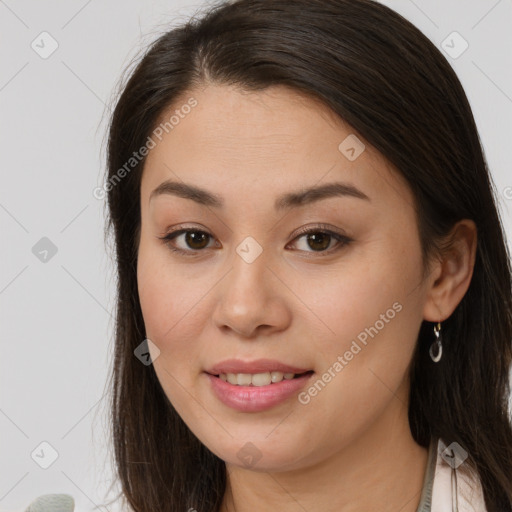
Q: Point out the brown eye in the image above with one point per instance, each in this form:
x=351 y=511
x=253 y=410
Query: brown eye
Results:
x=187 y=240
x=196 y=239
x=318 y=241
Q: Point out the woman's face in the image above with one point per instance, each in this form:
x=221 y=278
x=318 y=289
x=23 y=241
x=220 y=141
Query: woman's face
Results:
x=246 y=284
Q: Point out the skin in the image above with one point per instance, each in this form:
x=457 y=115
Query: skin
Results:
x=350 y=448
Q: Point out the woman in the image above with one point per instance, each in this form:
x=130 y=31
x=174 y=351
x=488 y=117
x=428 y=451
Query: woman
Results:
x=310 y=255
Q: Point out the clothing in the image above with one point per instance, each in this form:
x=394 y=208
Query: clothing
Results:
x=446 y=489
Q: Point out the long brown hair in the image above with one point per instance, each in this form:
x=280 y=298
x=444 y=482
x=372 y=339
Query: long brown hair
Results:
x=387 y=80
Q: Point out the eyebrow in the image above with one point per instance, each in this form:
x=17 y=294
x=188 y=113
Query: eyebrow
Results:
x=286 y=201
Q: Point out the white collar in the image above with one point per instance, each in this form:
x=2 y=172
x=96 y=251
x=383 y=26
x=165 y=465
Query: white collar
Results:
x=449 y=486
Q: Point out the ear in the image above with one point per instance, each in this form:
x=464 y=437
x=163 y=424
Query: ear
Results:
x=451 y=274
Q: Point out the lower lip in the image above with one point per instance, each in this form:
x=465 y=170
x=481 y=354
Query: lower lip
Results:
x=256 y=398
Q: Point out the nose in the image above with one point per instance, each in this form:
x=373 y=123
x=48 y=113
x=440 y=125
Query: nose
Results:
x=252 y=299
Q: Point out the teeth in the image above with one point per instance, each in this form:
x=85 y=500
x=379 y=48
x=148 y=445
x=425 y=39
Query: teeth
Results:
x=256 y=379
x=276 y=376
x=244 y=379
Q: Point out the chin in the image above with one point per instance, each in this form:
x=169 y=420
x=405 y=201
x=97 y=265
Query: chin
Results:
x=258 y=453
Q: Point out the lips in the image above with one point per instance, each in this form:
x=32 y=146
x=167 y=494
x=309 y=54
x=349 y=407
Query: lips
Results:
x=251 y=399
x=257 y=366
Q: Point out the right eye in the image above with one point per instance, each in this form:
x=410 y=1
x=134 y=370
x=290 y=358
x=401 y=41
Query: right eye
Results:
x=192 y=240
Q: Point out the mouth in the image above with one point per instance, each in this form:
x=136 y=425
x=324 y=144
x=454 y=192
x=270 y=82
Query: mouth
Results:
x=257 y=392
x=259 y=379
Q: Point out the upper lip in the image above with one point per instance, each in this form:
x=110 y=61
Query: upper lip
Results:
x=256 y=366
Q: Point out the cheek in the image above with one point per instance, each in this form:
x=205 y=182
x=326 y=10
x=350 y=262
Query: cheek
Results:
x=171 y=309
x=368 y=291
x=155 y=295
x=371 y=313
x=171 y=323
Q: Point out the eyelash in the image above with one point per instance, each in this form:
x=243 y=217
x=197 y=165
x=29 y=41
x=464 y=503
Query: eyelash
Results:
x=342 y=240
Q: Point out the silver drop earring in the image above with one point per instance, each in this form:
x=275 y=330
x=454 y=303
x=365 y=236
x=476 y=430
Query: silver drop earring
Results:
x=437 y=344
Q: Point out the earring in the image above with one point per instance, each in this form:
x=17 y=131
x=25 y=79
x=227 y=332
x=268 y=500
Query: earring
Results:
x=437 y=344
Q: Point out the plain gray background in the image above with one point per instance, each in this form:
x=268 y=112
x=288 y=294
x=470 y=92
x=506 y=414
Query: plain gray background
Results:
x=56 y=323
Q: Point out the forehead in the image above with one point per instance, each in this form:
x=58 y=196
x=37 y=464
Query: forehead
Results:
x=269 y=141
x=231 y=120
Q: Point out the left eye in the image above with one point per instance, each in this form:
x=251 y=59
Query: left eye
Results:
x=320 y=241
x=317 y=240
